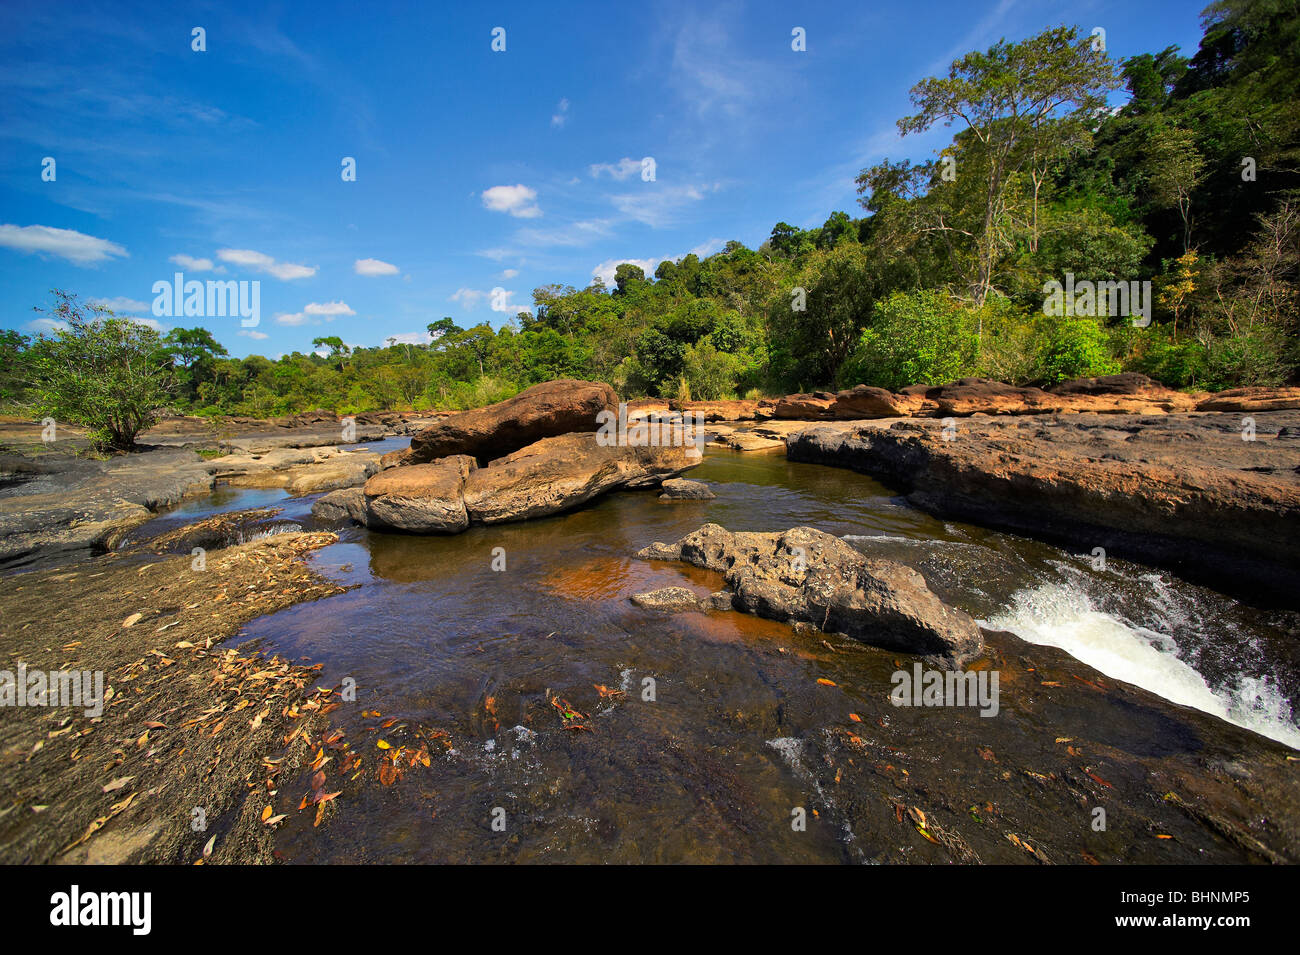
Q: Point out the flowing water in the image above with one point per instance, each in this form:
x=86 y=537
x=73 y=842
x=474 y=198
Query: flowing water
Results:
x=716 y=734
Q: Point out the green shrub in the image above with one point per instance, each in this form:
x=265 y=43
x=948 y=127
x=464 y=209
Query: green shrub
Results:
x=107 y=374
x=1074 y=346
x=922 y=337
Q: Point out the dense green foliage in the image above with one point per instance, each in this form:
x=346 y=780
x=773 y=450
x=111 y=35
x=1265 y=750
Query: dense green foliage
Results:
x=1194 y=186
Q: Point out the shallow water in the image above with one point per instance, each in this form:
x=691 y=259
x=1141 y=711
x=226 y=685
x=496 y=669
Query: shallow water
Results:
x=709 y=769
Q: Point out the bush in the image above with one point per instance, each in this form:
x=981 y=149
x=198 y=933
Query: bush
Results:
x=1263 y=355
x=107 y=374
x=1074 y=346
x=1178 y=365
x=920 y=337
x=711 y=374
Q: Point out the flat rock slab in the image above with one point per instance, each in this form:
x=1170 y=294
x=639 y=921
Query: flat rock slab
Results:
x=1181 y=490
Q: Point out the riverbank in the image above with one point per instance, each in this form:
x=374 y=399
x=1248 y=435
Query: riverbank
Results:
x=191 y=742
x=1198 y=492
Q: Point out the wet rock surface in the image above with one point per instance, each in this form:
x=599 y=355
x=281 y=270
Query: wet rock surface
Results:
x=806 y=575
x=680 y=489
x=1183 y=490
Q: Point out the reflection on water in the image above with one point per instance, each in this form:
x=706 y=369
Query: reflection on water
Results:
x=723 y=719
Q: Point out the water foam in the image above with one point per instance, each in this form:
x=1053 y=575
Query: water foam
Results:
x=1061 y=616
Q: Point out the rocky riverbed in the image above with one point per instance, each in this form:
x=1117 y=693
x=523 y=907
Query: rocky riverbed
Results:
x=776 y=644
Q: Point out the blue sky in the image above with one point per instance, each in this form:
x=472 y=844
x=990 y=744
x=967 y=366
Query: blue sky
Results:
x=475 y=170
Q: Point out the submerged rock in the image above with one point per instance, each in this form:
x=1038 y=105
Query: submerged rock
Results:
x=806 y=575
x=680 y=489
x=547 y=410
x=669 y=600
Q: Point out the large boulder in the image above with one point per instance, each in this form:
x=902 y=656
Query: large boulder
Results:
x=348 y=503
x=968 y=396
x=866 y=401
x=559 y=473
x=542 y=411
x=420 y=498
x=804 y=407
x=1128 y=383
x=742 y=409
x=806 y=575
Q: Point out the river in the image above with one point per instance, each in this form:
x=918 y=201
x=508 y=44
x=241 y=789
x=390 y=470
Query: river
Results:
x=711 y=730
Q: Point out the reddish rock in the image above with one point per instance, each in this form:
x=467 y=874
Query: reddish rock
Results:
x=395 y=459
x=865 y=401
x=542 y=411
x=1181 y=490
x=968 y=396
x=559 y=473
x=422 y=498
x=725 y=410
x=805 y=407
x=1246 y=400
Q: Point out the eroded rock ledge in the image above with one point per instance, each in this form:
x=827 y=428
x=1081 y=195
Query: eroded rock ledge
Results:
x=806 y=575
x=1181 y=490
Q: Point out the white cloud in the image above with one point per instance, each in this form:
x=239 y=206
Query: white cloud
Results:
x=77 y=247
x=122 y=305
x=619 y=170
x=45 y=325
x=410 y=338
x=518 y=200
x=261 y=262
x=374 y=267
x=561 y=114
x=313 y=312
x=657 y=207
x=605 y=271
x=509 y=273
x=329 y=309
x=258 y=336
x=576 y=233
x=501 y=302
x=191 y=263
x=467 y=298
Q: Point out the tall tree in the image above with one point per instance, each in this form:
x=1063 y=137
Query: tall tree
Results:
x=1014 y=100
